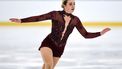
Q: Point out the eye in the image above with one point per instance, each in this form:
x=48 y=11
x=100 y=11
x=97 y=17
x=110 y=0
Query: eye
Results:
x=70 y=4
x=74 y=3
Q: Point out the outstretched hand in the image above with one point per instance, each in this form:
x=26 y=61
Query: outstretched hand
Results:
x=15 y=20
x=104 y=31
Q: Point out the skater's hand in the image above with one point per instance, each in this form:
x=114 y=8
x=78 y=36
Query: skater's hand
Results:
x=15 y=20
x=104 y=31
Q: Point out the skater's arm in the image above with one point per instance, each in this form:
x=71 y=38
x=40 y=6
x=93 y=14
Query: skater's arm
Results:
x=46 y=16
x=104 y=31
x=34 y=18
x=86 y=34
x=16 y=20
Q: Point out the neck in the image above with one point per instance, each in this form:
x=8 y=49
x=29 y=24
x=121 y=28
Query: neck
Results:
x=68 y=14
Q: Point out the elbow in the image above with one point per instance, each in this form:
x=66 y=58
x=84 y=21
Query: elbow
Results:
x=91 y=35
x=86 y=37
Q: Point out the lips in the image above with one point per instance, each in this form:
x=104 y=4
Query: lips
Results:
x=72 y=9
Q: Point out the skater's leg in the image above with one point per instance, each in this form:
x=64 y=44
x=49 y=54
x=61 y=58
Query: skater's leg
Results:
x=47 y=56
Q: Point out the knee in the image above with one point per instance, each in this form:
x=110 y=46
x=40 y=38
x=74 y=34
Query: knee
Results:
x=49 y=64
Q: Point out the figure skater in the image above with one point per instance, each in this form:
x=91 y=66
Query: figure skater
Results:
x=63 y=23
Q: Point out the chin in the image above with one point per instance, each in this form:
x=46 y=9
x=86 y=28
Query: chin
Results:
x=71 y=11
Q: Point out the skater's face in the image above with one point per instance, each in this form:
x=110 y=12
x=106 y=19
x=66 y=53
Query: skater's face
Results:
x=69 y=6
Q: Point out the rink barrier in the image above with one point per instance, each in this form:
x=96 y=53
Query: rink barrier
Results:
x=49 y=24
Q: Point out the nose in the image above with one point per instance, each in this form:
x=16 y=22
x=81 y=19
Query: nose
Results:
x=73 y=6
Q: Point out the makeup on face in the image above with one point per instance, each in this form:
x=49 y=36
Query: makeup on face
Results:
x=70 y=6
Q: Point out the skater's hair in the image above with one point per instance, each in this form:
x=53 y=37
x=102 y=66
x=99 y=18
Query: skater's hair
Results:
x=64 y=2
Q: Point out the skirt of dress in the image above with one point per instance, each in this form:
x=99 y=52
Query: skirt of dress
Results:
x=57 y=50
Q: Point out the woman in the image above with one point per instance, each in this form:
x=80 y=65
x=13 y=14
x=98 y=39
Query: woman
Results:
x=63 y=23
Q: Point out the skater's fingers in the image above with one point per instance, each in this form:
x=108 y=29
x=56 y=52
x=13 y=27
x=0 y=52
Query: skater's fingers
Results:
x=15 y=20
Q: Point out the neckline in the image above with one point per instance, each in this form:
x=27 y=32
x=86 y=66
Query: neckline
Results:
x=63 y=12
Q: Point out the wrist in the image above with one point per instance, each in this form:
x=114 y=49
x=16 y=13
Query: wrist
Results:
x=101 y=33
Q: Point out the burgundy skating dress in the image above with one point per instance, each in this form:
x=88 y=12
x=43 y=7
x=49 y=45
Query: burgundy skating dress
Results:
x=55 y=40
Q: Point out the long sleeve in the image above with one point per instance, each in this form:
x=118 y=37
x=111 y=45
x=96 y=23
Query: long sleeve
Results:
x=46 y=16
x=83 y=31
